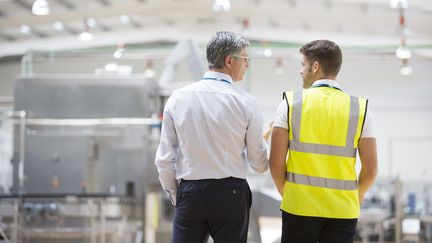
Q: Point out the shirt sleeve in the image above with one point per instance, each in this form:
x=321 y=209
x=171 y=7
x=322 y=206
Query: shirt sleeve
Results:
x=166 y=155
x=368 y=127
x=281 y=119
x=256 y=147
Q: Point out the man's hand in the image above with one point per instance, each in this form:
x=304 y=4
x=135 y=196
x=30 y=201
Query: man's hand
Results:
x=268 y=131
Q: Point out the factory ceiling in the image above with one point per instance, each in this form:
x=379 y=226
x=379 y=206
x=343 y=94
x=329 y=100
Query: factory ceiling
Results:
x=362 y=24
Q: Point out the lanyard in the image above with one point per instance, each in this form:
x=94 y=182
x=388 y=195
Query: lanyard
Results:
x=326 y=85
x=217 y=79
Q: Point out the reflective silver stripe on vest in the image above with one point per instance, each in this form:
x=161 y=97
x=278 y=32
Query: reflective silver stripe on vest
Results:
x=296 y=114
x=321 y=182
x=346 y=151
x=323 y=149
x=353 y=121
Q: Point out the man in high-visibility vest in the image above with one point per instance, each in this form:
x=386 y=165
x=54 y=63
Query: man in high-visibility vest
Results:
x=315 y=138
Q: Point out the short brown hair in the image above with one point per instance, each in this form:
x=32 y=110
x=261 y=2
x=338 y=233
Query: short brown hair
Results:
x=326 y=52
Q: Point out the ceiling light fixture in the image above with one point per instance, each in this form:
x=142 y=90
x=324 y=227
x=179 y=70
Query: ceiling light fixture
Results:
x=405 y=69
x=118 y=53
x=25 y=29
x=402 y=51
x=91 y=22
x=40 y=7
x=86 y=35
x=111 y=67
x=267 y=52
x=222 y=6
x=399 y=3
x=279 y=67
x=149 y=72
x=245 y=27
x=125 y=19
x=59 y=26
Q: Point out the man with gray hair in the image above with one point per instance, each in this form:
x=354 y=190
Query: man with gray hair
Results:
x=211 y=131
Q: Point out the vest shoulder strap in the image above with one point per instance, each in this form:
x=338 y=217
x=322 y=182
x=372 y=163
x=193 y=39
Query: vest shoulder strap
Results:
x=284 y=97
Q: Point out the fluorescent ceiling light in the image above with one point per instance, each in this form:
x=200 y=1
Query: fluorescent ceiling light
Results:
x=40 y=7
x=399 y=3
x=111 y=67
x=117 y=54
x=268 y=52
x=222 y=6
x=59 y=26
x=91 y=22
x=403 y=52
x=125 y=19
x=406 y=70
x=86 y=36
x=25 y=29
x=149 y=73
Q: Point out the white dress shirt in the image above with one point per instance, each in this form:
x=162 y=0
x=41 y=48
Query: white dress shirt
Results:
x=211 y=129
x=281 y=113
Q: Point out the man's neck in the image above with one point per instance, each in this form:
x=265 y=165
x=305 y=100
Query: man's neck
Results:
x=321 y=75
x=221 y=70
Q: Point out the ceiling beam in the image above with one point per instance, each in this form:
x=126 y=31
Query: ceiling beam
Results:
x=68 y=5
x=2 y=14
x=79 y=13
x=38 y=33
x=102 y=26
x=23 y=4
x=105 y=3
x=7 y=37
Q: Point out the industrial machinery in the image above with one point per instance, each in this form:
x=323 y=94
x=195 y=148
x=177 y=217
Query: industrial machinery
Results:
x=82 y=159
x=391 y=213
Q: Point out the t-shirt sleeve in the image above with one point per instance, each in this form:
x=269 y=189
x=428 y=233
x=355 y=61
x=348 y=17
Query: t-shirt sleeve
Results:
x=369 y=126
x=281 y=119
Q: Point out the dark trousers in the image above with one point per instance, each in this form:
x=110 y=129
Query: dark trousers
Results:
x=215 y=207
x=300 y=229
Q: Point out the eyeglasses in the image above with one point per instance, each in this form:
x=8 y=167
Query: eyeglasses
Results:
x=247 y=59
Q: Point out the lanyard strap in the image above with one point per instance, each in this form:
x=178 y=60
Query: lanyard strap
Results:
x=325 y=85
x=217 y=79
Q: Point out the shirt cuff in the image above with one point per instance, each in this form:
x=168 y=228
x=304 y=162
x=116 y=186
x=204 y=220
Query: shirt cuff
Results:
x=172 y=195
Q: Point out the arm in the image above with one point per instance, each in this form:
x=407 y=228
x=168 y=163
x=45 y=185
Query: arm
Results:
x=369 y=169
x=166 y=155
x=256 y=147
x=279 y=150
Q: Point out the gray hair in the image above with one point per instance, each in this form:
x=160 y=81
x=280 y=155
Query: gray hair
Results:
x=223 y=44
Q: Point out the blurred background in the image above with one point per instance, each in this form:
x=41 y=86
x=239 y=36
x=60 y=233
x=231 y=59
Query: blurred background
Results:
x=83 y=84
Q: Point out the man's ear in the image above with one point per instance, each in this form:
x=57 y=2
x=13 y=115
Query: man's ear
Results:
x=316 y=66
x=228 y=60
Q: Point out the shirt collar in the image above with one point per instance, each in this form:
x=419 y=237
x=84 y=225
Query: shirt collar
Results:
x=329 y=82
x=218 y=76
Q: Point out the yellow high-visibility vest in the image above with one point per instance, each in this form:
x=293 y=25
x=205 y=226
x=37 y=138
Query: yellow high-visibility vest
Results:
x=325 y=127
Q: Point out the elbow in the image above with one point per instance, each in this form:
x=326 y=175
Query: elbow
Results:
x=374 y=172
x=262 y=168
